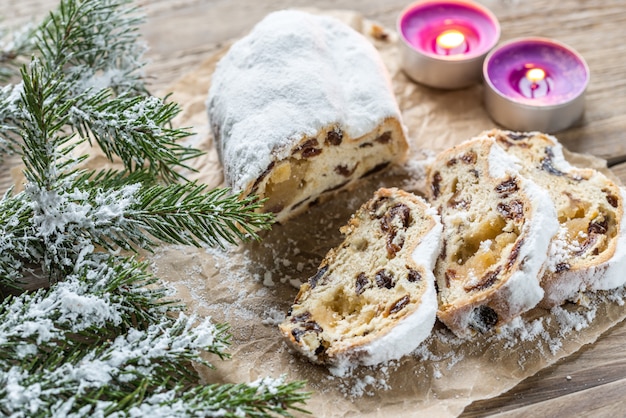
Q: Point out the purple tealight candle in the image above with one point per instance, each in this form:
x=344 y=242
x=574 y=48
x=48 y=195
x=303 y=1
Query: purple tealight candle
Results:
x=535 y=84
x=444 y=43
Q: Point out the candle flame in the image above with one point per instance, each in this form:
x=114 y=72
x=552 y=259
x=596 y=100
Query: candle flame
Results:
x=535 y=75
x=450 y=39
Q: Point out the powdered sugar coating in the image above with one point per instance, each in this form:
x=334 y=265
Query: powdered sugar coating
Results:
x=294 y=74
x=524 y=285
x=501 y=163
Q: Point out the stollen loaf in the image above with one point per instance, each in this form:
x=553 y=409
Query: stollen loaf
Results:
x=302 y=107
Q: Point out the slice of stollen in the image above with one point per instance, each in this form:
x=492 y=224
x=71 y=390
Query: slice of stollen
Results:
x=373 y=297
x=589 y=250
x=497 y=230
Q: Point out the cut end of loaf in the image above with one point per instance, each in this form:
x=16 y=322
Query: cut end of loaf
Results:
x=324 y=164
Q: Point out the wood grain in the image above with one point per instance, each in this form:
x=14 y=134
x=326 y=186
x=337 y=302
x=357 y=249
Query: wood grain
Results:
x=182 y=33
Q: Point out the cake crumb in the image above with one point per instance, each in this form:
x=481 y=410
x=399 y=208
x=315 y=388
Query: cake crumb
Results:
x=273 y=316
x=267 y=279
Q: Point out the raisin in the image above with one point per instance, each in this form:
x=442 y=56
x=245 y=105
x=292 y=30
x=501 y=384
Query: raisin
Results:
x=264 y=174
x=513 y=210
x=475 y=172
x=588 y=243
x=611 y=198
x=301 y=317
x=450 y=275
x=376 y=169
x=594 y=229
x=321 y=349
x=506 y=187
x=315 y=278
x=343 y=170
x=392 y=245
x=483 y=318
x=444 y=249
x=547 y=163
x=485 y=282
x=402 y=212
x=598 y=227
x=384 y=279
x=360 y=284
x=297 y=333
x=451 y=162
x=376 y=205
x=311 y=152
x=306 y=327
x=457 y=202
x=308 y=148
x=399 y=210
x=309 y=143
x=434 y=186
x=518 y=136
x=399 y=304
x=413 y=276
x=514 y=254
x=312 y=326
x=561 y=267
x=334 y=137
x=469 y=157
x=512 y=140
x=385 y=138
x=366 y=145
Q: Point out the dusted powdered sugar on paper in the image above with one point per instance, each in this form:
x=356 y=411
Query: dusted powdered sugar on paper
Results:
x=294 y=74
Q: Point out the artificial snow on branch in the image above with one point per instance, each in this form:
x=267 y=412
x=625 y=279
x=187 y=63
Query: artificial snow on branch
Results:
x=104 y=336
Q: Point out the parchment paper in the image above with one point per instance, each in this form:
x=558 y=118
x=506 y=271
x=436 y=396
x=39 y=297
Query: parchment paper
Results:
x=252 y=286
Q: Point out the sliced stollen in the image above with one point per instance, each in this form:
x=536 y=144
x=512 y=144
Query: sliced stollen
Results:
x=497 y=231
x=301 y=107
x=589 y=250
x=373 y=297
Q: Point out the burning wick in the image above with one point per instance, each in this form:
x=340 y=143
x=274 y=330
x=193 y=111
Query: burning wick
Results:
x=451 y=42
x=534 y=83
x=535 y=75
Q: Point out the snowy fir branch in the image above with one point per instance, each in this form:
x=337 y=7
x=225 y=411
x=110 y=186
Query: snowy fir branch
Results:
x=103 y=336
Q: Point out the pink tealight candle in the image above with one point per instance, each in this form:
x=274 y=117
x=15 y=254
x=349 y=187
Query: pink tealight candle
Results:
x=535 y=84
x=444 y=43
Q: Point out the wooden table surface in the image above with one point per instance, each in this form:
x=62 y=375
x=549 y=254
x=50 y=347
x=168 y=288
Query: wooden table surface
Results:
x=182 y=33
